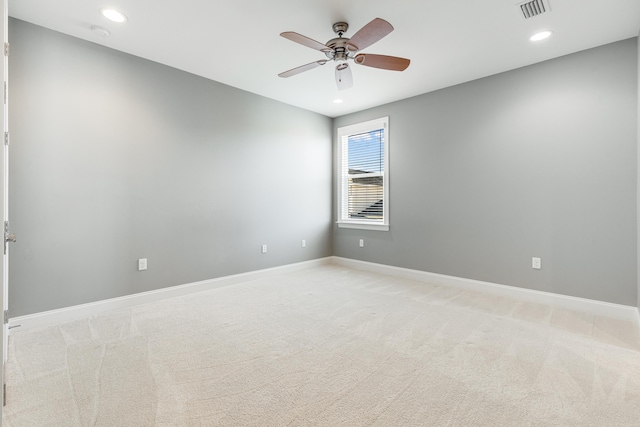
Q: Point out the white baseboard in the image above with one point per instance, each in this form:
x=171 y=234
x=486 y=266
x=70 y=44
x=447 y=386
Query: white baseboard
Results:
x=601 y=308
x=48 y=318
x=53 y=317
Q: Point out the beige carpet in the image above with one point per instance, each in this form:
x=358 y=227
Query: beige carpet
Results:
x=332 y=347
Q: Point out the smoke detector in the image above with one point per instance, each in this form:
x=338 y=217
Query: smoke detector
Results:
x=100 y=31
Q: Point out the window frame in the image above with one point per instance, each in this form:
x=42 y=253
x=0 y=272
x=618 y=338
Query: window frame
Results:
x=342 y=191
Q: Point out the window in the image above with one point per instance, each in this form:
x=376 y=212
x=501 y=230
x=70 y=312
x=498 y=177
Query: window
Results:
x=363 y=182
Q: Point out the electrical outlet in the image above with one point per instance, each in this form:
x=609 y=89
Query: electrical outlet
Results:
x=536 y=263
x=362 y=243
x=304 y=243
x=264 y=249
x=142 y=264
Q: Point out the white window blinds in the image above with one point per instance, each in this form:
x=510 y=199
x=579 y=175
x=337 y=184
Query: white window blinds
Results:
x=363 y=176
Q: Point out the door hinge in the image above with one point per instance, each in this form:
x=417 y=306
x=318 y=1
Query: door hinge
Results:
x=6 y=317
x=6 y=49
x=8 y=237
x=6 y=138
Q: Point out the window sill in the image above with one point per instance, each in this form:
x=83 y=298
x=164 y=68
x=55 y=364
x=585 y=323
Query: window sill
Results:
x=363 y=226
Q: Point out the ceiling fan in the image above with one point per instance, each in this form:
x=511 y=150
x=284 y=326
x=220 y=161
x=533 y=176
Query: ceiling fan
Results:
x=341 y=49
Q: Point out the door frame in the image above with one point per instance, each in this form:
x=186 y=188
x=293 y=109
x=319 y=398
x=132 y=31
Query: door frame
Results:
x=3 y=188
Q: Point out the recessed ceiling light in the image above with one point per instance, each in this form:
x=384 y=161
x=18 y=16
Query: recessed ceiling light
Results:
x=114 y=15
x=337 y=101
x=540 y=36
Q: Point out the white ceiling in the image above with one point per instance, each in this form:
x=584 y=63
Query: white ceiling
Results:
x=237 y=42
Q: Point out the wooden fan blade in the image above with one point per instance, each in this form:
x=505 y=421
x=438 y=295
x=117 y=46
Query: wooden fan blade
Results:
x=302 y=68
x=303 y=40
x=369 y=34
x=382 y=61
x=344 y=79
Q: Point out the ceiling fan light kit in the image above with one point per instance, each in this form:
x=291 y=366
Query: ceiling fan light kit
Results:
x=342 y=49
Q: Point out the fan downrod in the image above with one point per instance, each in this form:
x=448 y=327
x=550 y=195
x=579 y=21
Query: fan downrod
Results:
x=338 y=45
x=340 y=28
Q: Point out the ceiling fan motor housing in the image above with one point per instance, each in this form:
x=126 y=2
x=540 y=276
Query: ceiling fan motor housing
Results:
x=338 y=48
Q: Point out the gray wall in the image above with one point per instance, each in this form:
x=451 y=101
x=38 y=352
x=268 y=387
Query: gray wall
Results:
x=540 y=161
x=116 y=158
x=638 y=136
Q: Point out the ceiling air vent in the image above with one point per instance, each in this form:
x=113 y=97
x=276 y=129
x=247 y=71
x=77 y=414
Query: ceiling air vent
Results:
x=533 y=8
